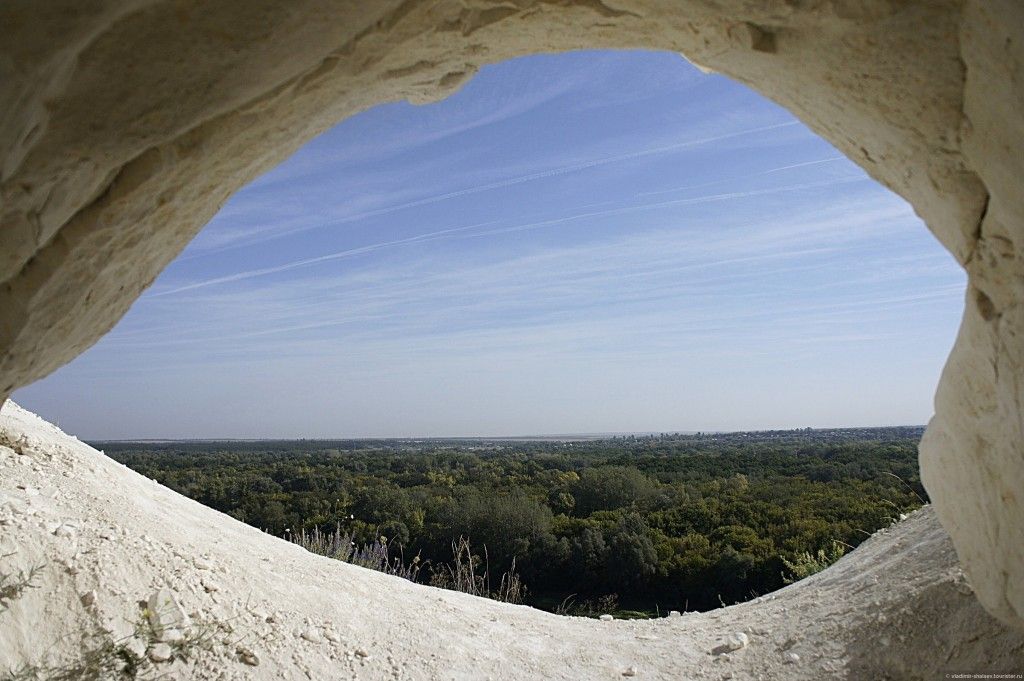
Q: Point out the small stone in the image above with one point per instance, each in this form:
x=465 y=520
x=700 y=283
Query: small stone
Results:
x=332 y=636
x=166 y=613
x=203 y=564
x=606 y=618
x=737 y=640
x=675 y=613
x=312 y=635
x=64 y=530
x=88 y=598
x=962 y=585
x=733 y=642
x=210 y=586
x=362 y=652
x=120 y=629
x=161 y=652
x=791 y=658
x=629 y=671
x=14 y=506
x=172 y=636
x=246 y=656
x=136 y=646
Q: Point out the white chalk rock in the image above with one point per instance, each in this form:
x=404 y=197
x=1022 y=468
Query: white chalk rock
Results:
x=161 y=652
x=165 y=613
x=733 y=642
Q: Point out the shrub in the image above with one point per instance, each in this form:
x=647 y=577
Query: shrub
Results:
x=375 y=555
x=806 y=564
x=461 y=575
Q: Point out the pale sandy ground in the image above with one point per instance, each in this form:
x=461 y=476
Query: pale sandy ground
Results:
x=897 y=607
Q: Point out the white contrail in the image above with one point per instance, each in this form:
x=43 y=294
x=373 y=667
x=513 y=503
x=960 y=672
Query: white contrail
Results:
x=554 y=172
x=453 y=233
x=588 y=164
x=830 y=159
x=249 y=274
x=707 y=198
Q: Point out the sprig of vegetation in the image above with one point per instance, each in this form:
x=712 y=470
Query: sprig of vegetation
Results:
x=590 y=607
x=14 y=584
x=470 y=574
x=103 y=657
x=806 y=564
x=375 y=555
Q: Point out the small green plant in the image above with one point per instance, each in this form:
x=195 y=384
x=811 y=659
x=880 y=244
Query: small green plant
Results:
x=104 y=657
x=807 y=564
x=101 y=658
x=607 y=604
x=14 y=584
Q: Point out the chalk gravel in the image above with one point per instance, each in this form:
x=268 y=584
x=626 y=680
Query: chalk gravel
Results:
x=113 y=541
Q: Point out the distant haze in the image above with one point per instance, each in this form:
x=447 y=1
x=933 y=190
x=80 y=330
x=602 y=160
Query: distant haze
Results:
x=587 y=242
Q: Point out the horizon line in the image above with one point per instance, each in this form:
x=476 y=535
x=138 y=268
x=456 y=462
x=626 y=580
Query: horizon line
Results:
x=565 y=437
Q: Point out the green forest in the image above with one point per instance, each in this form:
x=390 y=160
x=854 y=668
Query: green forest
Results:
x=637 y=524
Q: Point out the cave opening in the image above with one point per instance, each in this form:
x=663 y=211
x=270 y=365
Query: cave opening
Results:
x=571 y=245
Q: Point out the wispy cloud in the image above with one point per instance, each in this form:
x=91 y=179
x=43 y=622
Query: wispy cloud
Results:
x=254 y=235
x=770 y=171
x=729 y=275
x=483 y=231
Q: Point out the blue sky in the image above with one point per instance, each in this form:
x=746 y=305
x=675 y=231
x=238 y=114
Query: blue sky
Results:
x=585 y=242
